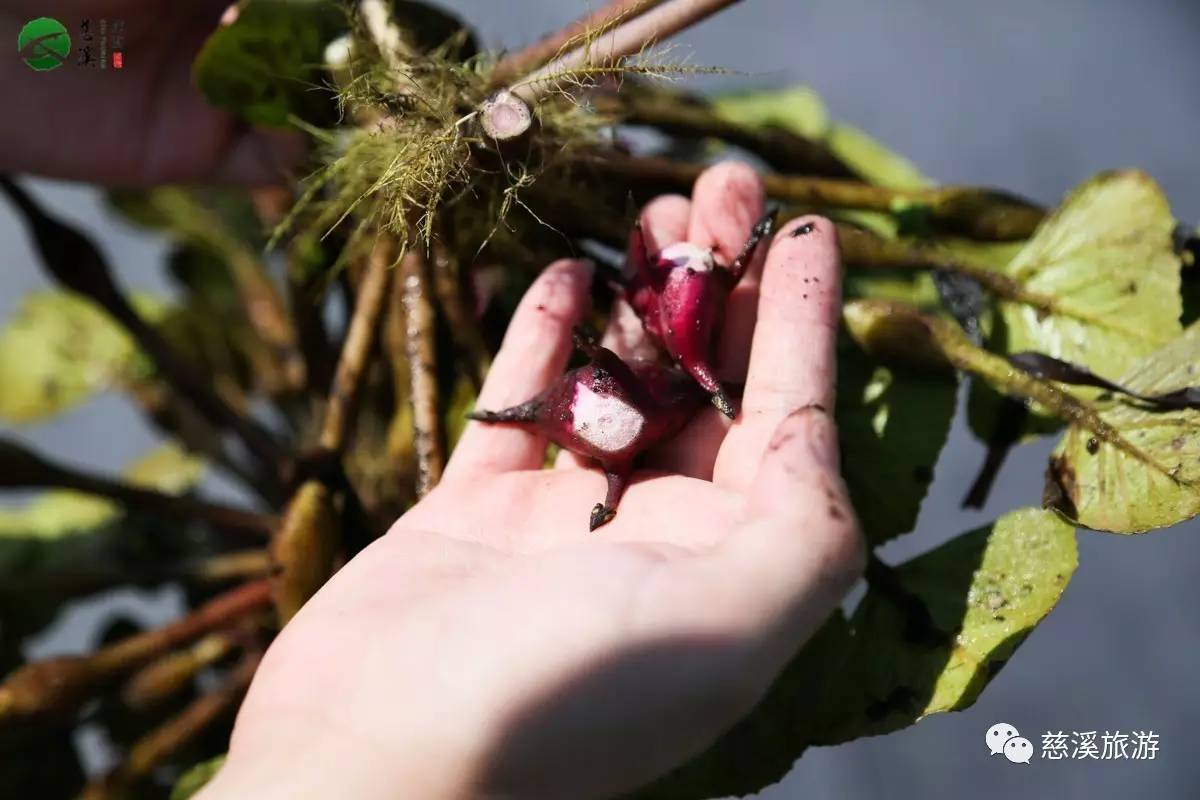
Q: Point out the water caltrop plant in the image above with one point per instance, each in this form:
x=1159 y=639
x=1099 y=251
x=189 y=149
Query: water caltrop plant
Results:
x=328 y=336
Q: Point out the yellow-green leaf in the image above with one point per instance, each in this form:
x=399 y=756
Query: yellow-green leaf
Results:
x=58 y=513
x=168 y=468
x=965 y=608
x=1108 y=488
x=55 y=352
x=196 y=778
x=980 y=593
x=800 y=110
x=1105 y=262
x=892 y=425
x=1105 y=265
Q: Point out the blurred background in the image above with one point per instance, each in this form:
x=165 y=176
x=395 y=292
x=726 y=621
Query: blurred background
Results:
x=1030 y=96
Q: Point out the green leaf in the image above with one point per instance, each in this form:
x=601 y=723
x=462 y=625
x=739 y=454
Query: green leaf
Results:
x=960 y=613
x=964 y=609
x=57 y=351
x=57 y=514
x=798 y=109
x=911 y=286
x=892 y=424
x=1105 y=262
x=869 y=158
x=268 y=64
x=196 y=778
x=1105 y=486
x=1105 y=265
x=801 y=111
x=167 y=468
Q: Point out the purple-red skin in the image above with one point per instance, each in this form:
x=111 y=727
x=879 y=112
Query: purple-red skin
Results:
x=680 y=294
x=610 y=411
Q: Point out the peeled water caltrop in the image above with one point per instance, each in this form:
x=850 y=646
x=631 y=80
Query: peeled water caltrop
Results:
x=608 y=410
x=612 y=411
x=680 y=294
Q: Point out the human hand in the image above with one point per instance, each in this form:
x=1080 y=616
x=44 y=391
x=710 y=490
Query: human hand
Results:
x=143 y=124
x=489 y=646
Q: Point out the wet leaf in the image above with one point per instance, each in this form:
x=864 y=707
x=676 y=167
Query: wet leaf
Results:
x=892 y=424
x=977 y=597
x=1105 y=267
x=58 y=350
x=1108 y=488
x=915 y=287
x=267 y=66
x=801 y=110
x=1104 y=262
x=981 y=593
x=29 y=533
x=167 y=468
x=196 y=778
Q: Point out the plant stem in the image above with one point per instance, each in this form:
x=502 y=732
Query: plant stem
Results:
x=974 y=212
x=179 y=420
x=629 y=37
x=261 y=301
x=678 y=115
x=59 y=686
x=422 y=365
x=73 y=260
x=864 y=249
x=238 y=565
x=594 y=23
x=164 y=741
x=307 y=285
x=464 y=327
x=169 y=674
x=22 y=468
x=902 y=333
x=360 y=338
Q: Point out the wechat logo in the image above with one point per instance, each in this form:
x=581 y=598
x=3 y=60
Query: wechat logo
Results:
x=44 y=43
x=1003 y=738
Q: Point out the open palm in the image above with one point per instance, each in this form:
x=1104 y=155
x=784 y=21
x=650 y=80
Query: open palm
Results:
x=490 y=646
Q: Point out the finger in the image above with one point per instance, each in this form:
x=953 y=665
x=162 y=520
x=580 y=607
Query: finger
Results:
x=663 y=221
x=727 y=202
x=774 y=580
x=792 y=354
x=534 y=352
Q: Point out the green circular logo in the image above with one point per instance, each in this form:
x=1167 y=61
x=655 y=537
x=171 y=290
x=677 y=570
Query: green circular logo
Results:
x=44 y=43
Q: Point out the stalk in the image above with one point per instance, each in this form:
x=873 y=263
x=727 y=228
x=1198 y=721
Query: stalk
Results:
x=680 y=116
x=628 y=38
x=422 y=365
x=173 y=735
x=977 y=213
x=22 y=468
x=595 y=23
x=57 y=687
